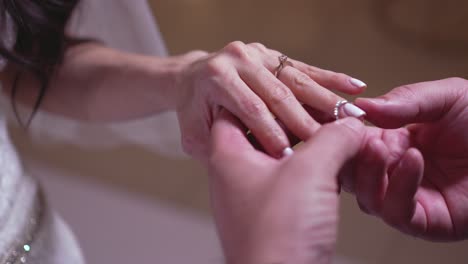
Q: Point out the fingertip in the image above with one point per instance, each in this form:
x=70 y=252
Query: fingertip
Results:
x=348 y=85
x=269 y=136
x=357 y=86
x=287 y=152
x=283 y=149
x=275 y=146
x=357 y=83
x=352 y=110
x=344 y=83
x=376 y=151
x=414 y=155
x=347 y=88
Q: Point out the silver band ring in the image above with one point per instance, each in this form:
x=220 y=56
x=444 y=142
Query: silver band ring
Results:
x=338 y=105
x=283 y=60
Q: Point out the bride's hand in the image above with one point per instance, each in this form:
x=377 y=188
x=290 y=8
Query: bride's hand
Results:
x=241 y=78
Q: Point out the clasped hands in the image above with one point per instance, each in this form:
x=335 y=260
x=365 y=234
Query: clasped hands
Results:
x=411 y=170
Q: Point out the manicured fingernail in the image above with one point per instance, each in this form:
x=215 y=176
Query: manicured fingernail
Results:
x=352 y=110
x=288 y=152
x=357 y=83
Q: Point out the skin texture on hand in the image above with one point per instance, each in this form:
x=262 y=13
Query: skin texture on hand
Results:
x=99 y=84
x=240 y=78
x=416 y=177
x=279 y=211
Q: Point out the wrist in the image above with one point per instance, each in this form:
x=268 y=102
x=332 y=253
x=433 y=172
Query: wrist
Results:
x=179 y=69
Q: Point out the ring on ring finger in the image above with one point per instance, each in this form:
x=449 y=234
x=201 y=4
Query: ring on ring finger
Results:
x=283 y=62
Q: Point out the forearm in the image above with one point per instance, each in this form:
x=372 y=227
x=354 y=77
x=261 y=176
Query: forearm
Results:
x=99 y=84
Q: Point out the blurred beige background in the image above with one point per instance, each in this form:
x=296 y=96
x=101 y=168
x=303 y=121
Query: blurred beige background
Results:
x=156 y=209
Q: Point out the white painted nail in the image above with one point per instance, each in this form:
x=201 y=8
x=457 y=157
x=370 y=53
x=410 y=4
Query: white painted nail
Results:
x=357 y=83
x=352 y=110
x=288 y=152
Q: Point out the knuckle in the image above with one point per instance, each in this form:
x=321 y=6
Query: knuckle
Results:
x=301 y=80
x=280 y=95
x=258 y=46
x=408 y=94
x=238 y=50
x=311 y=71
x=235 y=45
x=332 y=97
x=405 y=92
x=215 y=66
x=253 y=108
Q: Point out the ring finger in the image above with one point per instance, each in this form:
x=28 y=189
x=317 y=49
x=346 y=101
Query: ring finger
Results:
x=281 y=101
x=316 y=96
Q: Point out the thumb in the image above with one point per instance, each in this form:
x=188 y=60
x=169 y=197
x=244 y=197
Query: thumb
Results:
x=229 y=145
x=330 y=148
x=415 y=103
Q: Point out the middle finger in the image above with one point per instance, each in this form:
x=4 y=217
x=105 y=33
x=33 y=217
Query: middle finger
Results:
x=281 y=101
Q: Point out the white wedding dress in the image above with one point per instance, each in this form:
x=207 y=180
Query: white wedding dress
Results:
x=30 y=232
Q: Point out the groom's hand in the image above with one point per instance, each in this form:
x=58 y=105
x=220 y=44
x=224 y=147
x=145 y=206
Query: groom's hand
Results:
x=279 y=211
x=425 y=192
